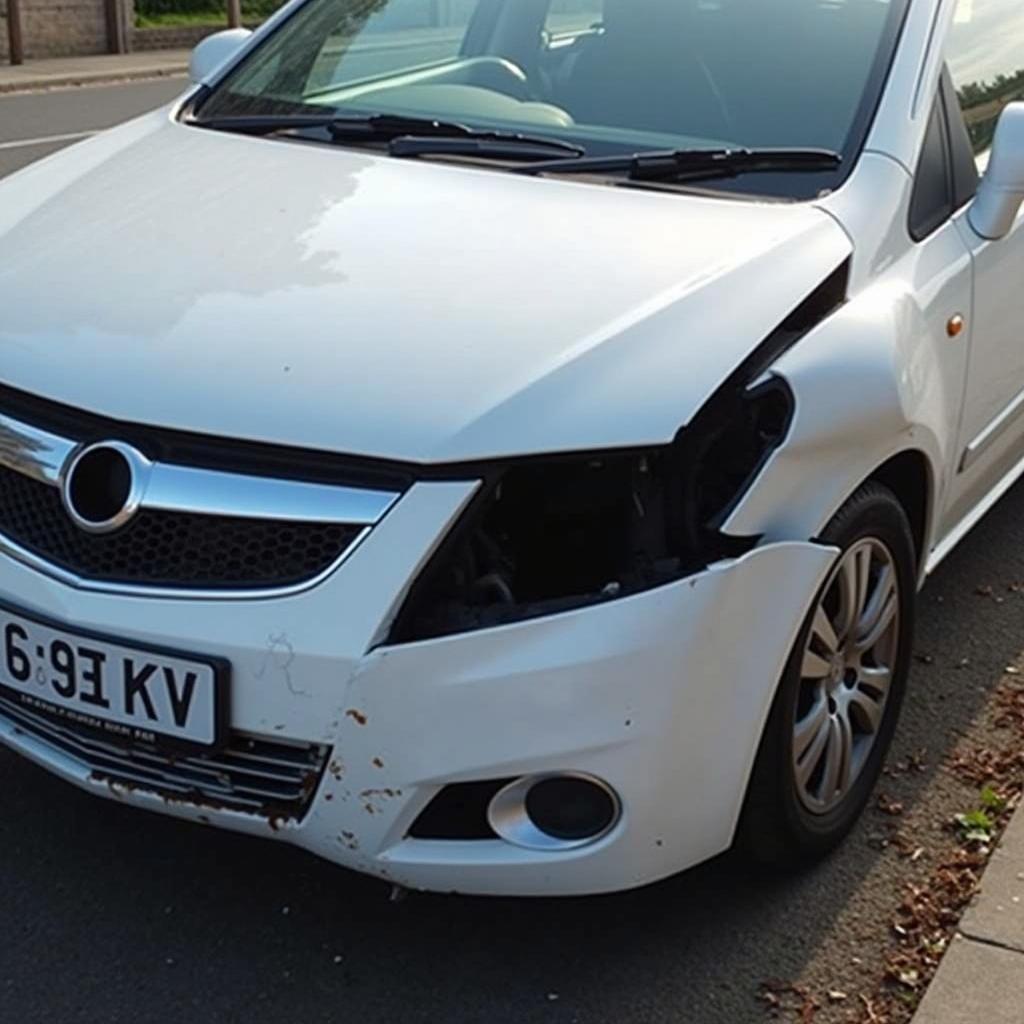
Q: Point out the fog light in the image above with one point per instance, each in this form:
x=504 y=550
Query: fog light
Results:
x=570 y=808
x=554 y=812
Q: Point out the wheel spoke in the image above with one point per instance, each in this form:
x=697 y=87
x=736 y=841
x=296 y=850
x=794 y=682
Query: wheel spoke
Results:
x=876 y=679
x=808 y=728
x=805 y=766
x=830 y=781
x=846 y=742
x=867 y=708
x=824 y=633
x=880 y=611
x=854 y=577
x=814 y=666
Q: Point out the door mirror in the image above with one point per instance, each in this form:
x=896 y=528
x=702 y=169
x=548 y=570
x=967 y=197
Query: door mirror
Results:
x=1001 y=191
x=214 y=50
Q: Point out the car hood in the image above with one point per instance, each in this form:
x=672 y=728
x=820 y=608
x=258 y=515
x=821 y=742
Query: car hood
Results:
x=341 y=300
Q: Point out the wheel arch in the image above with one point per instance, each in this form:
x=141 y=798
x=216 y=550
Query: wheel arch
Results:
x=910 y=477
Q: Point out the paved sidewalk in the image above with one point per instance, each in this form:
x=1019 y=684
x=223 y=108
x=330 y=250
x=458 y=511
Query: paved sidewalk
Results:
x=981 y=977
x=69 y=71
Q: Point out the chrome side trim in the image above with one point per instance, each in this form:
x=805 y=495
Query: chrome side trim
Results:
x=991 y=433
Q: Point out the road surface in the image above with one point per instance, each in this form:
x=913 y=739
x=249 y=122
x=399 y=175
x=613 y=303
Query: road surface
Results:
x=34 y=125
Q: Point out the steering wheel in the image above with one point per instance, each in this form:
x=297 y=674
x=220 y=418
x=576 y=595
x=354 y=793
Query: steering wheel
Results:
x=499 y=74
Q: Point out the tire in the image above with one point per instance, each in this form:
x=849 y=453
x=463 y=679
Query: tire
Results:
x=792 y=813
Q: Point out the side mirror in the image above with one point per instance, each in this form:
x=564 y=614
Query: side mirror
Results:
x=214 y=50
x=1001 y=191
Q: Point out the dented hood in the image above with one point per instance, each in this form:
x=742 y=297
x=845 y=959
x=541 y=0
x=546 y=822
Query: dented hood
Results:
x=340 y=300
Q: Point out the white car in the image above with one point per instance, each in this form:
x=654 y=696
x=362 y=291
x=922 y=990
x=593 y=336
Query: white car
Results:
x=496 y=444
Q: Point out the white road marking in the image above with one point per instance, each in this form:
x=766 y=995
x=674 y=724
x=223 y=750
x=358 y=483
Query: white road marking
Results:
x=46 y=139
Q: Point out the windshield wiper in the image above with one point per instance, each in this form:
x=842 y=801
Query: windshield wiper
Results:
x=409 y=136
x=487 y=145
x=682 y=165
x=375 y=126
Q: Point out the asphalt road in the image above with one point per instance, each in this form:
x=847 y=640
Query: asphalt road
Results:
x=109 y=914
x=35 y=125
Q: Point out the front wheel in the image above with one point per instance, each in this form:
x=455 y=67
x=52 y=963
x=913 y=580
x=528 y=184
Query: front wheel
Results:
x=837 y=705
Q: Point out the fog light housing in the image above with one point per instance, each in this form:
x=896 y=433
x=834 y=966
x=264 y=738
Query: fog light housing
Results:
x=561 y=811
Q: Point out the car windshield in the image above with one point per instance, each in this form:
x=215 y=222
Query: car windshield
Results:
x=610 y=76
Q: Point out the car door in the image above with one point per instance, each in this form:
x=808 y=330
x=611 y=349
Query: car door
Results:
x=985 y=51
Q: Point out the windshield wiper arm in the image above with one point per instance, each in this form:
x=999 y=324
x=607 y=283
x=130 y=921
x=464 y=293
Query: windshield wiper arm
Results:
x=261 y=124
x=421 y=132
x=487 y=145
x=410 y=136
x=374 y=126
x=693 y=164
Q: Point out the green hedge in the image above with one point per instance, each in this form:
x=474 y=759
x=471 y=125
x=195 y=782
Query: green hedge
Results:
x=157 y=10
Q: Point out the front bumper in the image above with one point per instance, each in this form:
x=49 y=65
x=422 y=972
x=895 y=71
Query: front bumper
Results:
x=663 y=695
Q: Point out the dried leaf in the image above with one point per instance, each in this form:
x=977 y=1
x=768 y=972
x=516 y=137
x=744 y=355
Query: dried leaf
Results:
x=891 y=807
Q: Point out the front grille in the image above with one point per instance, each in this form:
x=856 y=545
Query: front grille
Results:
x=170 y=549
x=251 y=774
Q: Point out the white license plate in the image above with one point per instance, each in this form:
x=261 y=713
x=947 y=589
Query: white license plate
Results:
x=129 y=693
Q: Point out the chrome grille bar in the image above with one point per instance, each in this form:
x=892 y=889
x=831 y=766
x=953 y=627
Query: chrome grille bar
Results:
x=42 y=455
x=35 y=453
x=52 y=543
x=229 y=778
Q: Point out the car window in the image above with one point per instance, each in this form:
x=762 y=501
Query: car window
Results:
x=963 y=165
x=611 y=76
x=986 y=58
x=931 y=203
x=352 y=45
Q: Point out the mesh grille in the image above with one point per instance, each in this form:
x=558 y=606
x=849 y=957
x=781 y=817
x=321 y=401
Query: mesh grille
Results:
x=170 y=549
x=251 y=774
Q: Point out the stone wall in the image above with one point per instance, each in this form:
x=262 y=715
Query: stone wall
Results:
x=65 y=28
x=75 y=28
x=59 y=28
x=183 y=38
x=4 y=54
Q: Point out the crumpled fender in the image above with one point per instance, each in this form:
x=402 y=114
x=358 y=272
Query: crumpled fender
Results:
x=869 y=382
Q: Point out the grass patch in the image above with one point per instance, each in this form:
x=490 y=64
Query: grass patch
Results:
x=178 y=13
x=180 y=19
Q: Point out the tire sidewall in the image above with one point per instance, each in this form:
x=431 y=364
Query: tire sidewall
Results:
x=873 y=512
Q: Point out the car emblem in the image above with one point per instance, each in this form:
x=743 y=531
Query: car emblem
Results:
x=102 y=485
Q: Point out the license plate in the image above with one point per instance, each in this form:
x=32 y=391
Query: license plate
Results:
x=127 y=692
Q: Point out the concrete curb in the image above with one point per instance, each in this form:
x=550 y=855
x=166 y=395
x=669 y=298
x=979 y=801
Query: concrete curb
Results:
x=981 y=977
x=29 y=78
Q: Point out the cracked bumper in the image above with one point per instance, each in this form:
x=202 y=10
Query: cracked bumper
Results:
x=663 y=695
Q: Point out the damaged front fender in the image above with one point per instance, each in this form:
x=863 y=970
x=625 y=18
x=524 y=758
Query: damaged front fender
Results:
x=868 y=384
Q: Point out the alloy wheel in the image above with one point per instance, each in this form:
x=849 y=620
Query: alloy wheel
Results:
x=845 y=674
